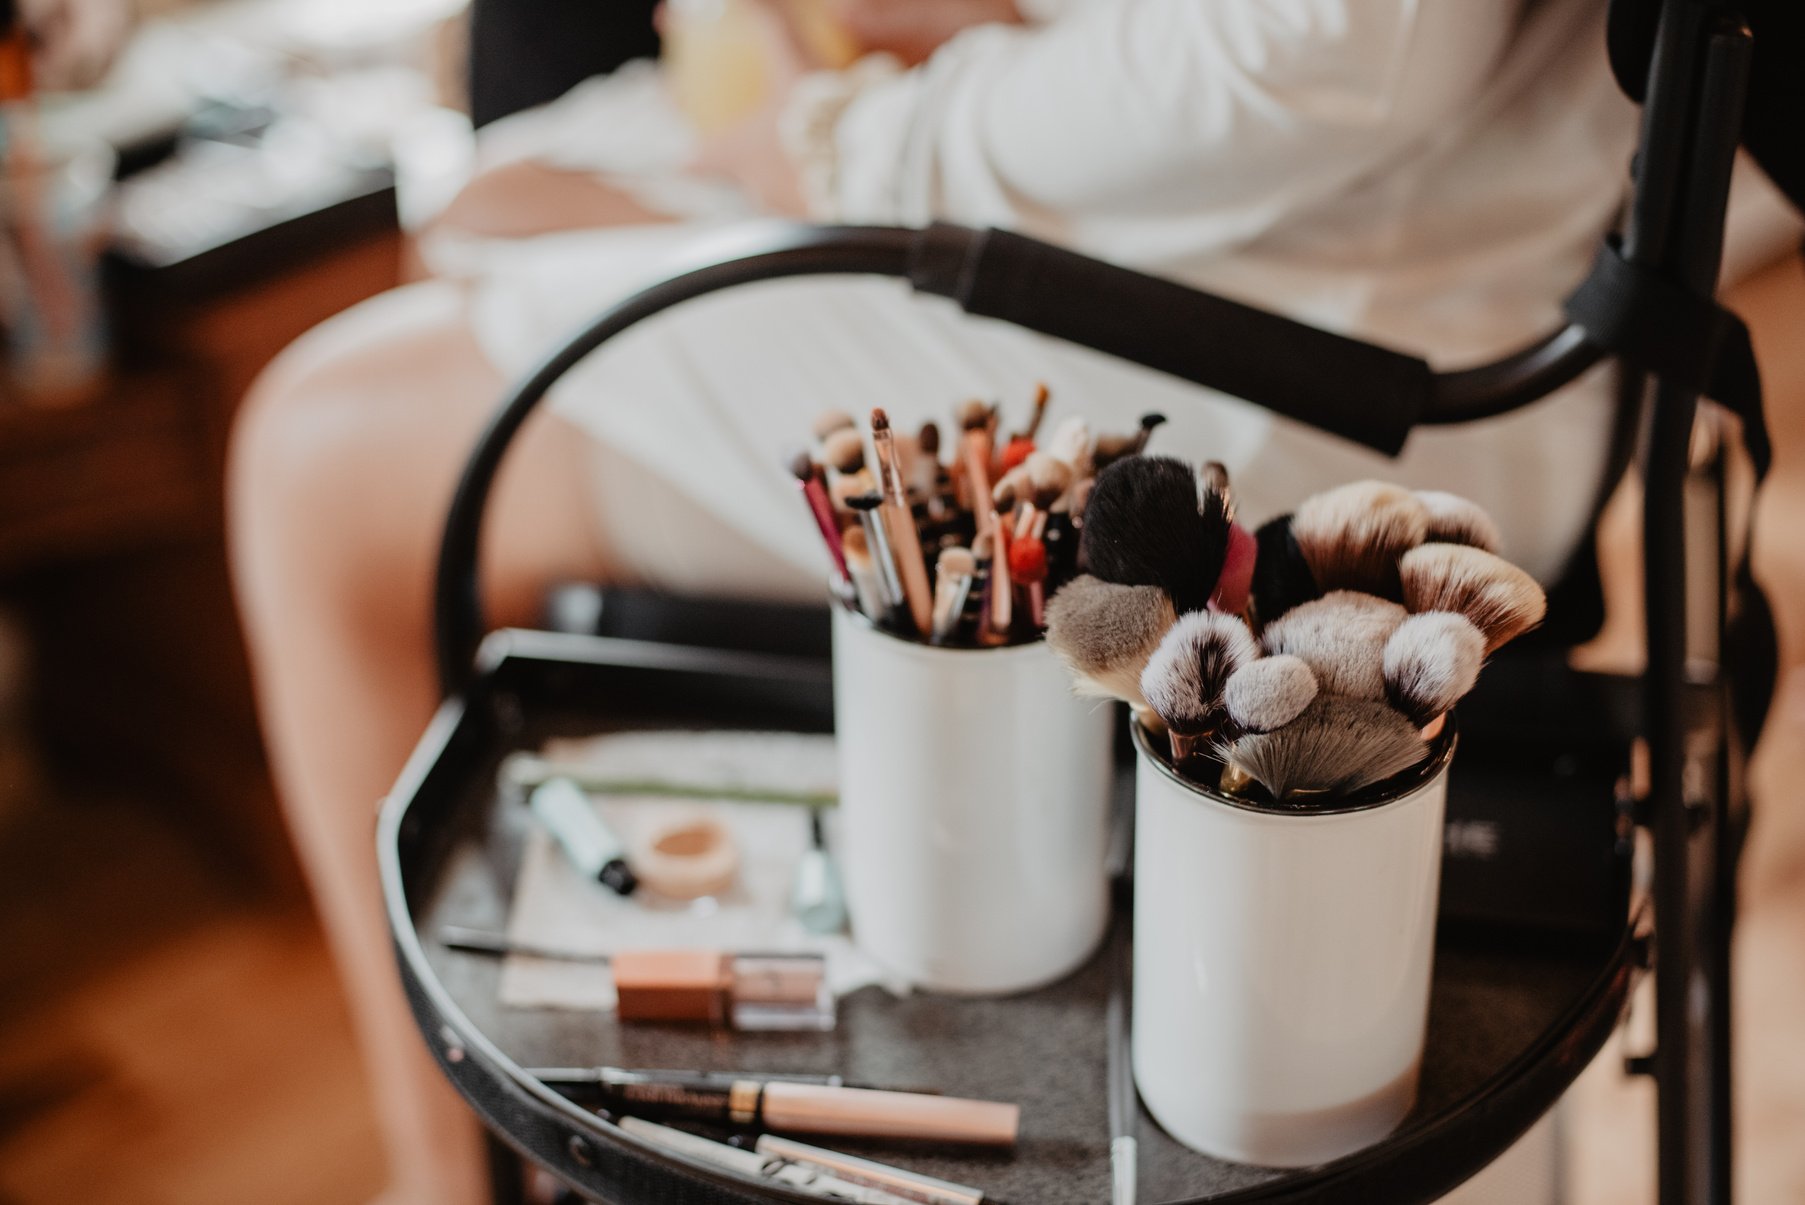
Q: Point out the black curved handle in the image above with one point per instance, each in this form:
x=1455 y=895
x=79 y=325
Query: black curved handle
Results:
x=1357 y=390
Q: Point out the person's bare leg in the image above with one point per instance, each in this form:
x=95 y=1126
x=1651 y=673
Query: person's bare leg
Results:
x=342 y=466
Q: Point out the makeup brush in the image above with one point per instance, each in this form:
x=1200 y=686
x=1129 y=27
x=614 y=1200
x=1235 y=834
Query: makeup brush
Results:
x=1454 y=520
x=953 y=574
x=843 y=452
x=1341 y=637
x=1337 y=746
x=1028 y=569
x=1105 y=633
x=1071 y=442
x=1111 y=448
x=1048 y=479
x=1148 y=523
x=929 y=472
x=899 y=526
x=829 y=421
x=1431 y=662
x=999 y=601
x=813 y=487
x=1038 y=412
x=977 y=602
x=1185 y=675
x=1266 y=694
x=974 y=449
x=877 y=545
x=1281 y=576
x=1500 y=599
x=867 y=585
x=1352 y=536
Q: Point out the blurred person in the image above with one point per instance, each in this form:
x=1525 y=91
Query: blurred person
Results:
x=1432 y=174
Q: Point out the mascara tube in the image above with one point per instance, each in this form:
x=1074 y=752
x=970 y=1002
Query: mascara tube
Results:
x=565 y=811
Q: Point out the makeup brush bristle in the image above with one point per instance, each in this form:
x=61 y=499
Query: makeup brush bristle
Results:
x=1501 y=600
x=1431 y=662
x=844 y=450
x=1145 y=525
x=1027 y=559
x=1268 y=693
x=1454 y=520
x=802 y=465
x=973 y=415
x=879 y=420
x=829 y=421
x=928 y=439
x=1336 y=746
x=1106 y=632
x=1048 y=478
x=1281 y=576
x=1352 y=536
x=955 y=562
x=1341 y=637
x=1185 y=675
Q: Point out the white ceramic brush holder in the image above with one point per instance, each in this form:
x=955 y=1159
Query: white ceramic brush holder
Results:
x=974 y=800
x=1281 y=963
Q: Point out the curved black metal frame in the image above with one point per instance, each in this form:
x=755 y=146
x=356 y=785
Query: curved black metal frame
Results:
x=1691 y=117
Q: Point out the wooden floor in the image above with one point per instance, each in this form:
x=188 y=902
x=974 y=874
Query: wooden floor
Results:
x=162 y=1043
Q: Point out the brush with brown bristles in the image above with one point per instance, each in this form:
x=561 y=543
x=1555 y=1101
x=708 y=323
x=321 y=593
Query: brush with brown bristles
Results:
x=1352 y=536
x=1105 y=634
x=1454 y=520
x=1498 y=598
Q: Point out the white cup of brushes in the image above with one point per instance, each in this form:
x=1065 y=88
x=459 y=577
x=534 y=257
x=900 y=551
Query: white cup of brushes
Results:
x=974 y=793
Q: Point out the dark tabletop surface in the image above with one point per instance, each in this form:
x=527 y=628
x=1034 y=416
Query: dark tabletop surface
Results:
x=1045 y=1049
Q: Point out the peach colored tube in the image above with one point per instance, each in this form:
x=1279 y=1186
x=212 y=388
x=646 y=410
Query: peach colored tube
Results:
x=815 y=1109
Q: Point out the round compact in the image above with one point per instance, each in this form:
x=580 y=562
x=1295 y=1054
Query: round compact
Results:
x=688 y=859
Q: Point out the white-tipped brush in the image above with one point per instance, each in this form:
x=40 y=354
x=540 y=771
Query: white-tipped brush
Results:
x=1105 y=633
x=1431 y=662
x=1454 y=520
x=953 y=574
x=1266 y=694
x=1353 y=535
x=1185 y=675
x=1500 y=599
x=1336 y=747
x=1341 y=637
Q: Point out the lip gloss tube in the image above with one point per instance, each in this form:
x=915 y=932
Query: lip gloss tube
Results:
x=816 y=1109
x=737 y=991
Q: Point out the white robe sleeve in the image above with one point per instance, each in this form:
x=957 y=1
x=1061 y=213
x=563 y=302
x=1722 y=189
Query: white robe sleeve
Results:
x=1151 y=131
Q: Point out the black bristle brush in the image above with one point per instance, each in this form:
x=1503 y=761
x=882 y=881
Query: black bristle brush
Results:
x=1148 y=522
x=1281 y=577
